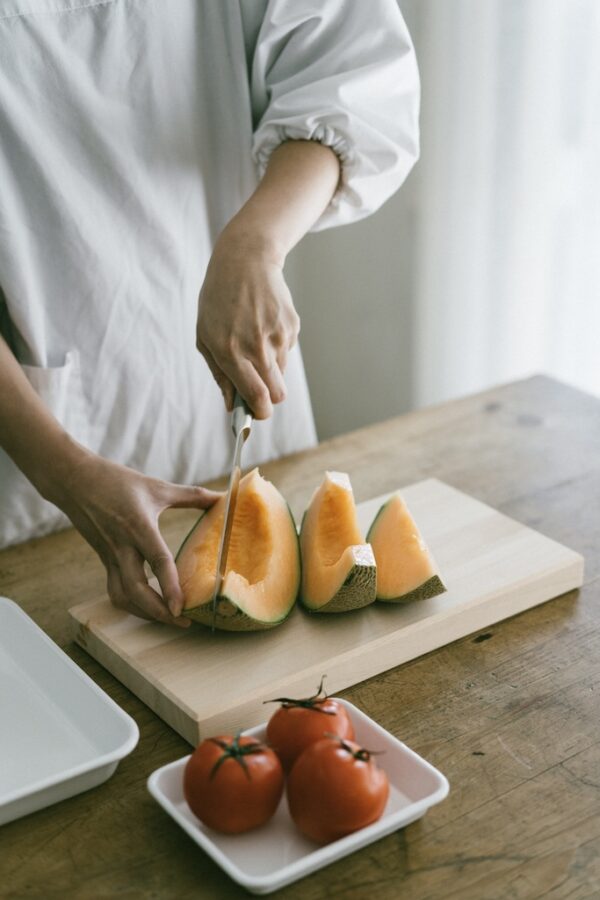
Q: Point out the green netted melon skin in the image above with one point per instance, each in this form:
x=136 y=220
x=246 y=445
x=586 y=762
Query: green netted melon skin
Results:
x=358 y=590
x=229 y=617
x=430 y=588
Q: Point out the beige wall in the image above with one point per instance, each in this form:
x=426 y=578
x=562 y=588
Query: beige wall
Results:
x=352 y=289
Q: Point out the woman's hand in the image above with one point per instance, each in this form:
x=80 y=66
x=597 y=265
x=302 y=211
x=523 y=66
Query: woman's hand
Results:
x=246 y=324
x=116 y=510
x=246 y=321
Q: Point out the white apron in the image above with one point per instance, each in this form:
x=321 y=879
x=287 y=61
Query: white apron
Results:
x=131 y=131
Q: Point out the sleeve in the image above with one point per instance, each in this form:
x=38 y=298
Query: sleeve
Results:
x=344 y=73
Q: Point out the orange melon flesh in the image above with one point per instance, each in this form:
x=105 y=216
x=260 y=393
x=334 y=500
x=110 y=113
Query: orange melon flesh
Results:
x=338 y=567
x=263 y=564
x=405 y=568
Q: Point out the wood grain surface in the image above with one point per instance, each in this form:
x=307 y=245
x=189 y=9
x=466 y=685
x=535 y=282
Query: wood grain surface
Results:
x=204 y=684
x=510 y=715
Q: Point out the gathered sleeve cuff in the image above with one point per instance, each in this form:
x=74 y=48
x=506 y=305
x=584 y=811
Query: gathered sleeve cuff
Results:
x=343 y=74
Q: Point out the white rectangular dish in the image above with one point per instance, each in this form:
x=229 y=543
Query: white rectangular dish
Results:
x=276 y=854
x=60 y=734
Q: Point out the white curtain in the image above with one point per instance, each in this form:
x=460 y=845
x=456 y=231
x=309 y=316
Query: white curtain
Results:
x=507 y=194
x=485 y=266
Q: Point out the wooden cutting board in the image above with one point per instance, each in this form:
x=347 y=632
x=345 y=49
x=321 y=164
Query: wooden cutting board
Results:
x=203 y=684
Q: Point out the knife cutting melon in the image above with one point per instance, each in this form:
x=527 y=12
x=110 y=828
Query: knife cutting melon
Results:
x=262 y=576
x=338 y=567
x=405 y=568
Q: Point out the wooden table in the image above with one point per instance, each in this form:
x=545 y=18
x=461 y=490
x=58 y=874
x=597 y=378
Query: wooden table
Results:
x=511 y=715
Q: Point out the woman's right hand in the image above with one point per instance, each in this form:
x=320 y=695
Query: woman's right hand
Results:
x=116 y=510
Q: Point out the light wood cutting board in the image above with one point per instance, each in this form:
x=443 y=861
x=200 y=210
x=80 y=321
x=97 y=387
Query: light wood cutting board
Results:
x=203 y=684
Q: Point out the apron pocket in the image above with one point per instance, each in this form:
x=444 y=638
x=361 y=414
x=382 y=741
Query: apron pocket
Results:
x=23 y=513
x=61 y=391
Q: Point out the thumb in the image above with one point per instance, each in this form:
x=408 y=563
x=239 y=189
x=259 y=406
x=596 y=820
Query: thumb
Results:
x=182 y=496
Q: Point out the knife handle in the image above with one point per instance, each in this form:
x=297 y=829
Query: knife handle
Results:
x=241 y=421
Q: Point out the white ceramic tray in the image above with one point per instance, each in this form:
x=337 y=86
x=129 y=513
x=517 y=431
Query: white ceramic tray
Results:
x=60 y=734
x=276 y=854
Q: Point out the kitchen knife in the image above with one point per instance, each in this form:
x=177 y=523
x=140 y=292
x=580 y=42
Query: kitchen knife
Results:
x=241 y=424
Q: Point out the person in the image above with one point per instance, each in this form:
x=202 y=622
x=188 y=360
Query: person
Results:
x=148 y=149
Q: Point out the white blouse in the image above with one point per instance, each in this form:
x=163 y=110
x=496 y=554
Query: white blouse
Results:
x=131 y=131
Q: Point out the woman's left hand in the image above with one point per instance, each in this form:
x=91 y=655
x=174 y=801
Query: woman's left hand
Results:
x=247 y=322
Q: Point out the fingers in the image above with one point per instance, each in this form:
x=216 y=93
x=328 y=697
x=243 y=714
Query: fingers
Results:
x=266 y=363
x=250 y=385
x=293 y=329
x=267 y=352
x=182 y=496
x=118 y=596
x=160 y=560
x=127 y=583
x=250 y=351
x=281 y=358
x=129 y=588
x=121 y=598
x=225 y=385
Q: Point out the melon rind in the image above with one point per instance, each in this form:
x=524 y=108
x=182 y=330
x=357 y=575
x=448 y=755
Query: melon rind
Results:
x=229 y=616
x=432 y=587
x=359 y=588
x=354 y=575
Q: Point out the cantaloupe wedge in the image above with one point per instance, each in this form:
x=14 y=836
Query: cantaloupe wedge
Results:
x=405 y=568
x=263 y=564
x=338 y=567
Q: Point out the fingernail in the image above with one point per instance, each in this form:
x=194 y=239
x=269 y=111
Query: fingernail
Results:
x=183 y=623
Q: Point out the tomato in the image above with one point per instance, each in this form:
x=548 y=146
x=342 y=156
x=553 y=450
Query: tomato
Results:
x=233 y=784
x=299 y=723
x=335 y=787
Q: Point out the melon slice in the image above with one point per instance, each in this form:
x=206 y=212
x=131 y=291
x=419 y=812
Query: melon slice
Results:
x=338 y=567
x=263 y=563
x=405 y=568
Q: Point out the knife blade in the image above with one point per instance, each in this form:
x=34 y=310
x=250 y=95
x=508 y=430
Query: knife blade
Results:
x=241 y=425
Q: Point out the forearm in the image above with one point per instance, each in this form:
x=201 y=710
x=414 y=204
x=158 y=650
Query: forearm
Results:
x=300 y=180
x=29 y=433
x=247 y=322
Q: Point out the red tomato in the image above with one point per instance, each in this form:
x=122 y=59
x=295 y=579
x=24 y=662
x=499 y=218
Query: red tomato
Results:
x=233 y=784
x=299 y=723
x=335 y=788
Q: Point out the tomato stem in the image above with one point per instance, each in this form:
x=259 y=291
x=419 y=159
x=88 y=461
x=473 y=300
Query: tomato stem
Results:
x=362 y=754
x=306 y=702
x=235 y=751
